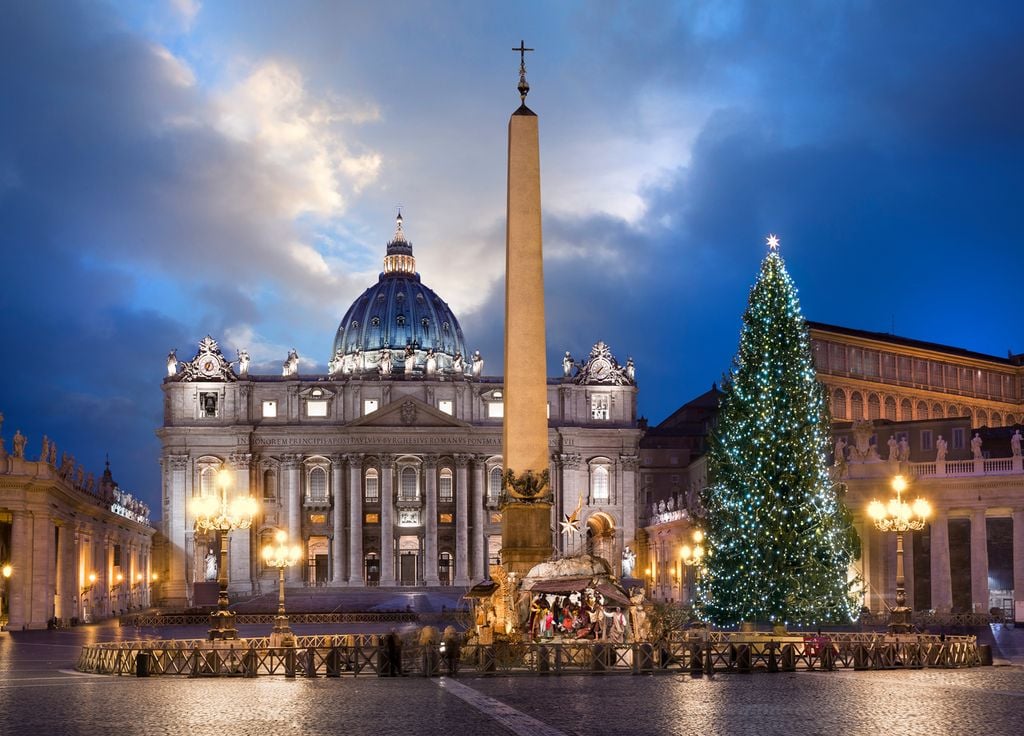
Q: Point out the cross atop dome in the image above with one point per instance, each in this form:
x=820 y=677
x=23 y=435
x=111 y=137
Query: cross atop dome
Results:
x=399 y=235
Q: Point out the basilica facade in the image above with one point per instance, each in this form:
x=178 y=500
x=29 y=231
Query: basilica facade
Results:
x=387 y=470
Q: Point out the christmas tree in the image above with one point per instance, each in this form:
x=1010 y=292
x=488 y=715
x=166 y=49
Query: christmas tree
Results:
x=779 y=539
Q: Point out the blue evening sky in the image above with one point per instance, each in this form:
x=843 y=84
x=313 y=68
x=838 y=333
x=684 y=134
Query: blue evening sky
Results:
x=175 y=168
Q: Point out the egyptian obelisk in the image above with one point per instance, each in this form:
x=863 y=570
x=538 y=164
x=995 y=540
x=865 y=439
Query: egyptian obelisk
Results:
x=526 y=513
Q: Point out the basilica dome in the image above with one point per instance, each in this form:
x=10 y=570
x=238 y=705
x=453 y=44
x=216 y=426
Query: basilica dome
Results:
x=399 y=314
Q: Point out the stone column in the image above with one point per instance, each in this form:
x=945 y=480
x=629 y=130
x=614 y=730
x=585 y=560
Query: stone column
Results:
x=979 y=561
x=338 y=566
x=630 y=465
x=387 y=520
x=240 y=578
x=557 y=497
x=461 y=520
x=1018 y=565
x=355 y=519
x=19 y=585
x=291 y=488
x=174 y=579
x=942 y=588
x=908 y=567
x=430 y=525
x=479 y=569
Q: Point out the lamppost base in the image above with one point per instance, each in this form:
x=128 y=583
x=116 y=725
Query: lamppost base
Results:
x=899 y=620
x=281 y=635
x=222 y=621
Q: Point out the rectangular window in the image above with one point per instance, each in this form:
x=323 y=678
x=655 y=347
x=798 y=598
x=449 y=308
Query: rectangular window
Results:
x=446 y=518
x=207 y=404
x=921 y=372
x=370 y=406
x=372 y=490
x=446 y=406
x=836 y=357
x=445 y=489
x=495 y=517
x=926 y=439
x=318 y=518
x=316 y=408
x=269 y=409
x=599 y=406
x=958 y=438
x=871 y=360
x=372 y=519
x=495 y=409
x=889 y=366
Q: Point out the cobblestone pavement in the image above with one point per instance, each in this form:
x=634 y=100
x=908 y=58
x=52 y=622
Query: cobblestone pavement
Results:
x=39 y=694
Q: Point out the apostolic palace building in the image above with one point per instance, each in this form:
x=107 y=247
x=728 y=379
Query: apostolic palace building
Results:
x=387 y=469
x=947 y=419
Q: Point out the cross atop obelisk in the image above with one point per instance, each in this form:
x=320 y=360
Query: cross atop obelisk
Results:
x=524 y=86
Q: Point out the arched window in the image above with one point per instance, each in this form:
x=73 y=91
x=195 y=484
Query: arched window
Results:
x=890 y=408
x=407 y=489
x=937 y=412
x=318 y=484
x=981 y=418
x=856 y=406
x=444 y=485
x=839 y=404
x=874 y=407
x=922 y=410
x=208 y=482
x=371 y=486
x=599 y=483
x=906 y=411
x=269 y=485
x=494 y=485
x=997 y=419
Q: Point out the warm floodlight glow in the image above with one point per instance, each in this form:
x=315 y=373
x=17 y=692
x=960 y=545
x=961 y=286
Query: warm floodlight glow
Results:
x=7 y=570
x=899 y=484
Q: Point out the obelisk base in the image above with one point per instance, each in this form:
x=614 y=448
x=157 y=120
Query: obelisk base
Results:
x=525 y=536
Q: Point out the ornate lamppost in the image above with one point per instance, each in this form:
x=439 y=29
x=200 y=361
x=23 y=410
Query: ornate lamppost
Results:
x=900 y=517
x=692 y=557
x=215 y=514
x=281 y=556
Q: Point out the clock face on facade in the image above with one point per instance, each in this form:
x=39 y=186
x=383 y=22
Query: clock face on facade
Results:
x=208 y=367
x=600 y=369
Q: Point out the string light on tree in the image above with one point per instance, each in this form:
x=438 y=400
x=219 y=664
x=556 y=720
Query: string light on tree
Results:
x=779 y=541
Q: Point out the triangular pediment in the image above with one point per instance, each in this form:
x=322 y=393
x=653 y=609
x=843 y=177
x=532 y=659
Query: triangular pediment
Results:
x=408 y=412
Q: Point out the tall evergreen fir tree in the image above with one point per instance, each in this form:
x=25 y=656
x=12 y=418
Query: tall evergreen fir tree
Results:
x=779 y=539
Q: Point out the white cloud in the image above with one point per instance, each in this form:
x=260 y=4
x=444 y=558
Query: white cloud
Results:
x=177 y=71
x=310 y=259
x=298 y=136
x=186 y=11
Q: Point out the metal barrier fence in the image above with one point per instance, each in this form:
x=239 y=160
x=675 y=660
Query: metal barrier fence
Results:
x=354 y=655
x=202 y=619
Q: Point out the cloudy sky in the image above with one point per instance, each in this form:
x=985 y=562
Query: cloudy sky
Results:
x=175 y=168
